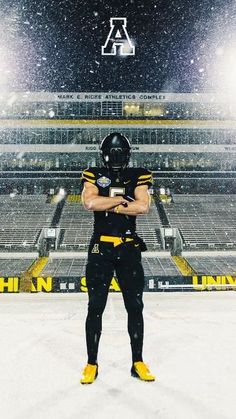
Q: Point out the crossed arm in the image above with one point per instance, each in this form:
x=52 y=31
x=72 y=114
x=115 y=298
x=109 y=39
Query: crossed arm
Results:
x=92 y=201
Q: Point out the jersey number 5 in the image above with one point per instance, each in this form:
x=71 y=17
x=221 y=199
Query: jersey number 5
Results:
x=116 y=191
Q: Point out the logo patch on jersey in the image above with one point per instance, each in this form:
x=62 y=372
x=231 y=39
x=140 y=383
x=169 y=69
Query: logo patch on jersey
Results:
x=95 y=248
x=104 y=181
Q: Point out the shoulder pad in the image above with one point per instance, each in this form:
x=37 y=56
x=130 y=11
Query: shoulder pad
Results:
x=144 y=177
x=89 y=175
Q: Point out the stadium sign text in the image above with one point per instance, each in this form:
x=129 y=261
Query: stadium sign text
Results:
x=111 y=96
x=193 y=283
x=11 y=284
x=54 y=97
x=219 y=282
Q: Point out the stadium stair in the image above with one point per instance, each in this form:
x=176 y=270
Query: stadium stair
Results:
x=33 y=271
x=183 y=265
x=162 y=214
x=61 y=237
x=37 y=266
x=57 y=214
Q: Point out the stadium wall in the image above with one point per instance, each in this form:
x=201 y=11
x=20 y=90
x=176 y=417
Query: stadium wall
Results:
x=152 y=284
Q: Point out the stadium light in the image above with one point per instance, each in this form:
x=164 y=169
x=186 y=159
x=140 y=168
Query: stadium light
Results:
x=5 y=67
x=222 y=71
x=16 y=49
x=226 y=67
x=10 y=46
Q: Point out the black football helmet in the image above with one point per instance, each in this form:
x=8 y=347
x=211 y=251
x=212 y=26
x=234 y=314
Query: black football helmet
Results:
x=115 y=149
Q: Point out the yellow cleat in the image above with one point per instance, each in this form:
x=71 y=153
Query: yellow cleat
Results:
x=141 y=371
x=89 y=375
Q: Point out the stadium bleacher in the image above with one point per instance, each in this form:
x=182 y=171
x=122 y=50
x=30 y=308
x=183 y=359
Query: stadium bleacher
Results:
x=159 y=266
x=13 y=267
x=205 y=221
x=65 y=267
x=213 y=265
x=76 y=225
x=153 y=266
x=22 y=218
x=162 y=266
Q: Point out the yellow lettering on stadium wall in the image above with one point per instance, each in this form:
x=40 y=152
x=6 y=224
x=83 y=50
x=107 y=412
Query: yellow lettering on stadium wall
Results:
x=11 y=284
x=218 y=282
x=42 y=284
x=83 y=284
x=114 y=285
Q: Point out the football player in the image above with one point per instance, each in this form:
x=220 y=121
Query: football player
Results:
x=116 y=194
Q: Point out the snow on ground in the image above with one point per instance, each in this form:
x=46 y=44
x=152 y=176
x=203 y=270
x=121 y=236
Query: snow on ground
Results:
x=190 y=344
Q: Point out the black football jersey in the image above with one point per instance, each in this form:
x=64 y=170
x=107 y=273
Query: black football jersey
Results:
x=111 y=184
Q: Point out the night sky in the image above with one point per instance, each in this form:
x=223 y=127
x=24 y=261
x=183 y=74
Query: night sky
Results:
x=56 y=45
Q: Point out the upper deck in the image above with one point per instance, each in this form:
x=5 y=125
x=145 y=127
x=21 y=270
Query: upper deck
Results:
x=100 y=106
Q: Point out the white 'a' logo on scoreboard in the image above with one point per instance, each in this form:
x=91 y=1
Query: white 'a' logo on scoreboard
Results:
x=118 y=41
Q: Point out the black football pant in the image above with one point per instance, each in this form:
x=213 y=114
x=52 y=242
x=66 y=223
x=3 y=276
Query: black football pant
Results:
x=125 y=260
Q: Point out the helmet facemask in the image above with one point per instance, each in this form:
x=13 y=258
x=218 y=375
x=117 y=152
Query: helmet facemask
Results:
x=116 y=158
x=115 y=149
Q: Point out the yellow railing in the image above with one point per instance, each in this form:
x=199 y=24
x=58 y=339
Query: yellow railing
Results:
x=73 y=198
x=34 y=270
x=183 y=265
